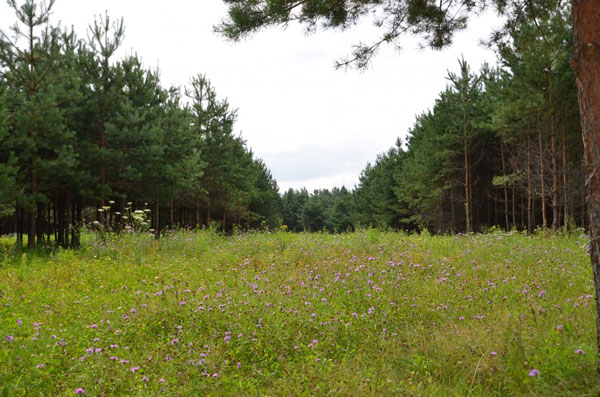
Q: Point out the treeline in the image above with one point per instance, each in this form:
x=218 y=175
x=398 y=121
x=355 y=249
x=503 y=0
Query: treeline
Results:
x=500 y=147
x=83 y=135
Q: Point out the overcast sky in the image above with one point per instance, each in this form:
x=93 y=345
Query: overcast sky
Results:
x=312 y=125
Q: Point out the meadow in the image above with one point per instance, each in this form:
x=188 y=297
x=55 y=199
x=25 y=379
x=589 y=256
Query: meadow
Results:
x=366 y=313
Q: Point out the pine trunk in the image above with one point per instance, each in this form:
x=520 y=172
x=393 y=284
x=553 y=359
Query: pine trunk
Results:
x=504 y=187
x=198 y=214
x=565 y=160
x=554 y=155
x=541 y=146
x=586 y=65
x=156 y=220
x=67 y=219
x=172 y=214
x=529 y=186
x=452 y=214
x=467 y=181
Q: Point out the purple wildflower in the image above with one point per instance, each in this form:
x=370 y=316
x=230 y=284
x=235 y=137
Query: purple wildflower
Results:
x=534 y=372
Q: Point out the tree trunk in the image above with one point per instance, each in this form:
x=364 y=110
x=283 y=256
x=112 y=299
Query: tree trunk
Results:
x=514 y=208
x=67 y=219
x=467 y=181
x=172 y=215
x=583 y=203
x=529 y=187
x=452 y=214
x=541 y=145
x=40 y=224
x=31 y=233
x=554 y=155
x=197 y=214
x=505 y=188
x=48 y=223
x=565 y=160
x=442 y=214
x=60 y=241
x=55 y=218
x=156 y=220
x=19 y=225
x=586 y=65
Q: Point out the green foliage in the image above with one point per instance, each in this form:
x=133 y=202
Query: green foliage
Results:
x=79 y=129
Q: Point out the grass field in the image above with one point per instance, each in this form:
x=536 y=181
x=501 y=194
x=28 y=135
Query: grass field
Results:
x=368 y=313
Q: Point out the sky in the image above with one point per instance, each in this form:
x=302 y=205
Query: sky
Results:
x=314 y=126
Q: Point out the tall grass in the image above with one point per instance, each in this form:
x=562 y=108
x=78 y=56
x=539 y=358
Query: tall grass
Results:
x=276 y=313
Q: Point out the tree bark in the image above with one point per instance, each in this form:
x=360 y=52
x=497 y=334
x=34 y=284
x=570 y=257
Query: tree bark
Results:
x=172 y=214
x=554 y=155
x=529 y=186
x=156 y=220
x=452 y=214
x=506 y=223
x=565 y=160
x=40 y=224
x=31 y=232
x=198 y=214
x=467 y=181
x=586 y=65
x=541 y=146
x=67 y=219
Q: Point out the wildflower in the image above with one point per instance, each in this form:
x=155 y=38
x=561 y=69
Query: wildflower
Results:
x=579 y=351
x=493 y=354
x=81 y=390
x=239 y=365
x=534 y=372
x=134 y=369
x=215 y=375
x=93 y=326
x=10 y=338
x=40 y=365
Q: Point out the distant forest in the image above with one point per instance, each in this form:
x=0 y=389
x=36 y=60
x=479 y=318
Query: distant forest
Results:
x=86 y=138
x=500 y=147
